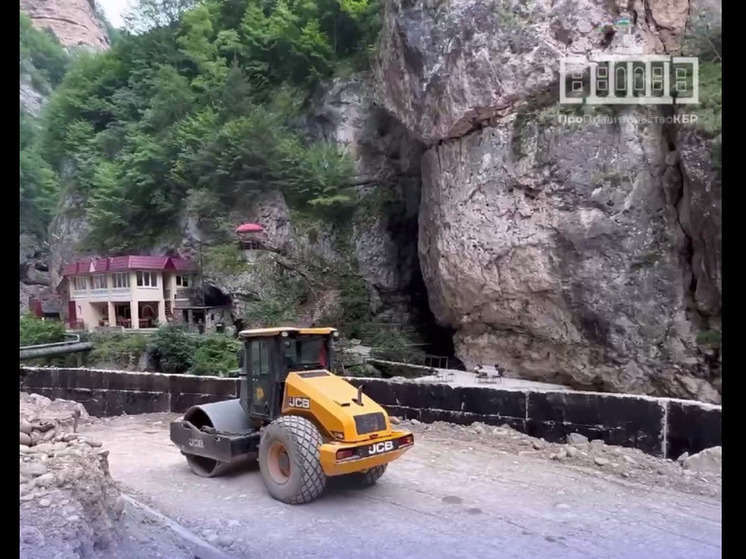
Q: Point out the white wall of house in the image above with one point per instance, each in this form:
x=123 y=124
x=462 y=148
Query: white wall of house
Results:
x=96 y=296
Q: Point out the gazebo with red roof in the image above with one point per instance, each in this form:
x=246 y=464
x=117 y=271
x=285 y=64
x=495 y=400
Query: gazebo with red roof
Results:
x=250 y=235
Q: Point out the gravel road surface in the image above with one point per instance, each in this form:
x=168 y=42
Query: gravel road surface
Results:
x=446 y=498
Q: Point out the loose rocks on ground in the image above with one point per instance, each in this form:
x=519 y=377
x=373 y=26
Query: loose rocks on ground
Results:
x=626 y=463
x=70 y=507
x=709 y=460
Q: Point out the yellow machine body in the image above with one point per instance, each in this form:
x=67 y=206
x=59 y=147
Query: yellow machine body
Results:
x=332 y=403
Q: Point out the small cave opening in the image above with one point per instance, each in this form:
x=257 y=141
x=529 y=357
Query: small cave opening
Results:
x=438 y=338
x=402 y=153
x=214 y=297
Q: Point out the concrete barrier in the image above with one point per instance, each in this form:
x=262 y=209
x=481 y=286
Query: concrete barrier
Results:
x=105 y=393
x=659 y=426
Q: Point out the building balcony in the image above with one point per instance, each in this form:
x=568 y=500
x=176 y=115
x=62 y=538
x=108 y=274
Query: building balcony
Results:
x=120 y=294
x=98 y=294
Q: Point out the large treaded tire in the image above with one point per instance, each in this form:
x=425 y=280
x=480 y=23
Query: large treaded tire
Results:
x=368 y=477
x=301 y=440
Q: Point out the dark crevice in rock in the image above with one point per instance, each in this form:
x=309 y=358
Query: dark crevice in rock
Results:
x=675 y=187
x=391 y=155
x=685 y=197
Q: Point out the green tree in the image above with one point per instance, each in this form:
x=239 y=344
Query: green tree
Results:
x=34 y=331
x=42 y=56
x=144 y=15
x=216 y=355
x=173 y=349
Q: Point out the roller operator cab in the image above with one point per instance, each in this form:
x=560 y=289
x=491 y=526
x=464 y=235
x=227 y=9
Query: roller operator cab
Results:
x=302 y=422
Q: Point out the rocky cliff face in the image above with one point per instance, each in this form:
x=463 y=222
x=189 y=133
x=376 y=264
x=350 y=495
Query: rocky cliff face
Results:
x=387 y=160
x=588 y=255
x=74 y=22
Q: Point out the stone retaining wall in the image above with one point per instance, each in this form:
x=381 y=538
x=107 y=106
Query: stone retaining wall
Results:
x=659 y=426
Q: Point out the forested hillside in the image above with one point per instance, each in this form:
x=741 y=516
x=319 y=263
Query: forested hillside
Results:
x=196 y=112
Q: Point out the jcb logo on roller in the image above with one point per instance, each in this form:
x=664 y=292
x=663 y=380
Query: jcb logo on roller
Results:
x=381 y=447
x=299 y=403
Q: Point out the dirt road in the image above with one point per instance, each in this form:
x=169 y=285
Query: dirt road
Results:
x=444 y=499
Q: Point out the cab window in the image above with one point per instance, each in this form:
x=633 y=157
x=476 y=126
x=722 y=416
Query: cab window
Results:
x=306 y=353
x=259 y=358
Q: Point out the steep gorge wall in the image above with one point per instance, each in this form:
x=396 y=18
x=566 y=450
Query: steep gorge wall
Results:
x=588 y=255
x=74 y=22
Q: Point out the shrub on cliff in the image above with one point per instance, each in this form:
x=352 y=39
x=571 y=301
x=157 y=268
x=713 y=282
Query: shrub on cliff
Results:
x=42 y=56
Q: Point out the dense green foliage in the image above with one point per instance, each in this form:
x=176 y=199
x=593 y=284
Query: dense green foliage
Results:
x=171 y=349
x=43 y=62
x=35 y=331
x=206 y=108
x=215 y=355
x=118 y=350
x=43 y=59
x=39 y=188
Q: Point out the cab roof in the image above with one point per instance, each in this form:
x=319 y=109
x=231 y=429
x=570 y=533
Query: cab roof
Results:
x=264 y=332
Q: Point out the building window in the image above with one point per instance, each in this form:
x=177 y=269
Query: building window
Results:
x=79 y=284
x=182 y=281
x=147 y=279
x=98 y=282
x=121 y=281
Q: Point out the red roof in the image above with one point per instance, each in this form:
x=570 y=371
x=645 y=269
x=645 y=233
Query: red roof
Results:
x=249 y=228
x=122 y=263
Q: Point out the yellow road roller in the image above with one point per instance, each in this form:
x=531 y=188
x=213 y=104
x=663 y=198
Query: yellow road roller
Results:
x=303 y=423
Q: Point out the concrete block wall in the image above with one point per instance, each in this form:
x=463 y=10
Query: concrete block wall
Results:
x=106 y=393
x=659 y=426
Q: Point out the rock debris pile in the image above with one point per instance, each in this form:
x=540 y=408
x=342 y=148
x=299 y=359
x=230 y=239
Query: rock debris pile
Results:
x=69 y=505
x=699 y=474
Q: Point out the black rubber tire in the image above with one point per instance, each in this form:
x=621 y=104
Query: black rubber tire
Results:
x=301 y=440
x=368 y=477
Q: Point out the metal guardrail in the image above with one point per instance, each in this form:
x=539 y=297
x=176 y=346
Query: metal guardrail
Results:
x=73 y=345
x=75 y=339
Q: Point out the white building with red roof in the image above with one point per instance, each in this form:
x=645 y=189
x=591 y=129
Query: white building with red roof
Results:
x=128 y=291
